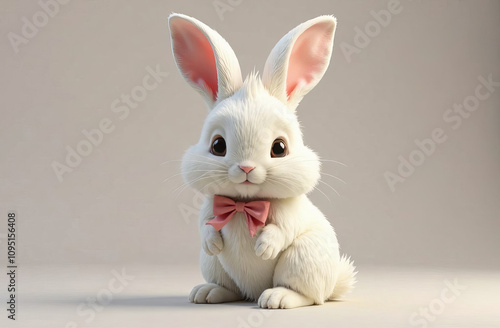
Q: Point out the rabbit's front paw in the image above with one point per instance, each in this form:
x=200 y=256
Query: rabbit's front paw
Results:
x=212 y=241
x=212 y=293
x=269 y=243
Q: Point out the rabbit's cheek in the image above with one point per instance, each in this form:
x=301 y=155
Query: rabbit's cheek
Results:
x=257 y=176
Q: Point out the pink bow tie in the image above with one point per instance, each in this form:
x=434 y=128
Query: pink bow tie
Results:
x=225 y=208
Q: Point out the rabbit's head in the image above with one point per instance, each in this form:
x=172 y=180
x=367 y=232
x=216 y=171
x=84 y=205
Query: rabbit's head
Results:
x=251 y=145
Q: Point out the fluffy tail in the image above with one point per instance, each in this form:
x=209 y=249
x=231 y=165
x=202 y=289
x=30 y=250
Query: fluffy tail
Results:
x=346 y=278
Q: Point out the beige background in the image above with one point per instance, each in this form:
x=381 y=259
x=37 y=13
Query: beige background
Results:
x=367 y=111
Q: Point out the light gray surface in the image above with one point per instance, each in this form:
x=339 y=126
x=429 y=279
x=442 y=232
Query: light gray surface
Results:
x=156 y=296
x=114 y=207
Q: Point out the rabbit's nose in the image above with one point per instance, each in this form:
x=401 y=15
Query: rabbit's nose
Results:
x=247 y=169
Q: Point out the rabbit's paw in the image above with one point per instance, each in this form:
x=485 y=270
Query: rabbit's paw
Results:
x=282 y=298
x=212 y=293
x=269 y=243
x=212 y=242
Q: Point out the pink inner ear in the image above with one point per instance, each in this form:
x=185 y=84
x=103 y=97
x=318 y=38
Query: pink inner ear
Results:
x=195 y=55
x=309 y=55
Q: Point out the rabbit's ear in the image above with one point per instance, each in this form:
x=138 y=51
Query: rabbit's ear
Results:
x=299 y=60
x=204 y=59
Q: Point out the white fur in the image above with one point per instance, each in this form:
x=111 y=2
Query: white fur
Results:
x=294 y=260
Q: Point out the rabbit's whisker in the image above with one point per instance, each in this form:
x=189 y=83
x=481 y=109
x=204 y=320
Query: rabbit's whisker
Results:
x=329 y=186
x=330 y=175
x=175 y=175
x=217 y=164
x=201 y=177
x=323 y=194
x=280 y=183
x=223 y=180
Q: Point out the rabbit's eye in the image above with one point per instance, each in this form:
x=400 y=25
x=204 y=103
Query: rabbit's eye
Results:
x=279 y=148
x=218 y=146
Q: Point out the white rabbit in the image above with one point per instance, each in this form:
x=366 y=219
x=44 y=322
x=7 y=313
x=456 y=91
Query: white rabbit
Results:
x=251 y=149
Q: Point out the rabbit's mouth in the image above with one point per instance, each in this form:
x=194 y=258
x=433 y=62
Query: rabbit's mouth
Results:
x=247 y=188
